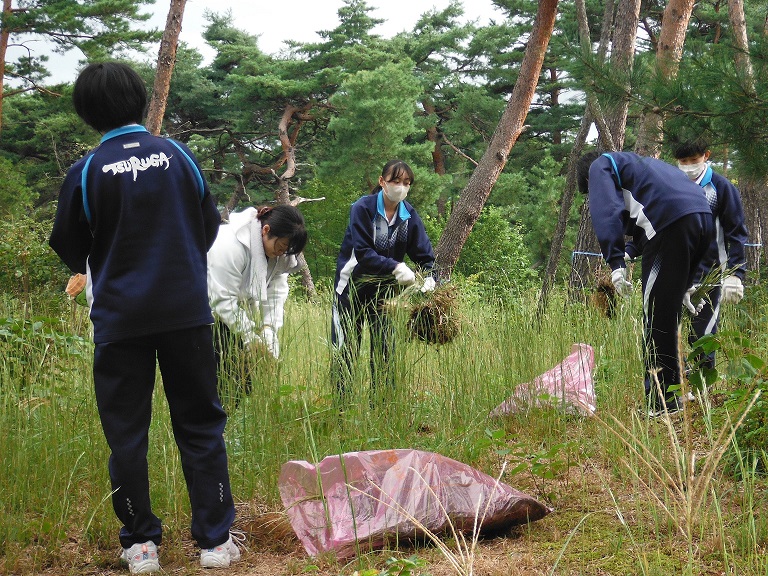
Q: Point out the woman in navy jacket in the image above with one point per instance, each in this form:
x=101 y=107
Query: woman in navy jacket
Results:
x=383 y=228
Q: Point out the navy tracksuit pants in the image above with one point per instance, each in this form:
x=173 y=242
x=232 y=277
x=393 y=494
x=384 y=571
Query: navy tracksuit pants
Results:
x=359 y=304
x=706 y=322
x=669 y=267
x=124 y=379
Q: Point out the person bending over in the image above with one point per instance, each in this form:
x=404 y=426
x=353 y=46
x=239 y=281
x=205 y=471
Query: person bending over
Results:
x=248 y=269
x=667 y=215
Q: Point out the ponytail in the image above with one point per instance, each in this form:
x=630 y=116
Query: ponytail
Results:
x=285 y=221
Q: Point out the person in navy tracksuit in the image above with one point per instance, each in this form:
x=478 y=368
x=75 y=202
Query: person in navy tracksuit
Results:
x=666 y=214
x=727 y=249
x=136 y=215
x=383 y=228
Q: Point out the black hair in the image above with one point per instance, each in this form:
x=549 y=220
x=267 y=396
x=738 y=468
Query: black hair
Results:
x=582 y=170
x=688 y=148
x=394 y=169
x=285 y=221
x=109 y=95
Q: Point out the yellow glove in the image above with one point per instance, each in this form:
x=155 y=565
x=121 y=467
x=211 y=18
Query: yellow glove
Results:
x=76 y=289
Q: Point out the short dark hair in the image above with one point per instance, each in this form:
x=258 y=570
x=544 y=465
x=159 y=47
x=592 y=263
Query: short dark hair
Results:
x=108 y=95
x=285 y=221
x=688 y=148
x=582 y=170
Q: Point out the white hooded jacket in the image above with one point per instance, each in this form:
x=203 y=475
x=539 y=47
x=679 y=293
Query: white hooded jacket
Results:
x=242 y=281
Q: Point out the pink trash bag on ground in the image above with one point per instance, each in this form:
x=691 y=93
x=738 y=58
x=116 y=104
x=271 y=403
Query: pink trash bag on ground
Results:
x=358 y=501
x=569 y=384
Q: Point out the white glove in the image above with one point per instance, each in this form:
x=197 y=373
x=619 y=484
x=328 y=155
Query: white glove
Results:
x=269 y=339
x=429 y=284
x=620 y=282
x=693 y=309
x=403 y=274
x=733 y=290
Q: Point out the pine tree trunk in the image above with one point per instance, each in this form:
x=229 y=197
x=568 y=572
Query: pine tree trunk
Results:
x=668 y=53
x=566 y=202
x=467 y=209
x=306 y=278
x=587 y=262
x=570 y=185
x=754 y=196
x=754 y=193
x=165 y=62
x=4 y=33
x=283 y=194
x=741 y=41
x=623 y=44
x=433 y=136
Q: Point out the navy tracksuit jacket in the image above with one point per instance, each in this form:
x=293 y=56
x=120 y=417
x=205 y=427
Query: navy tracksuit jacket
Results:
x=664 y=212
x=137 y=217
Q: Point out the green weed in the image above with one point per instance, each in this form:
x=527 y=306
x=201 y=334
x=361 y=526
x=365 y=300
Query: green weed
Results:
x=701 y=517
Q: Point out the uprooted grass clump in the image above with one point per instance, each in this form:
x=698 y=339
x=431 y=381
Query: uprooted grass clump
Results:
x=434 y=317
x=606 y=521
x=604 y=296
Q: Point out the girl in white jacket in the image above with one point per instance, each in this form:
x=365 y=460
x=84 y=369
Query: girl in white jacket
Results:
x=248 y=267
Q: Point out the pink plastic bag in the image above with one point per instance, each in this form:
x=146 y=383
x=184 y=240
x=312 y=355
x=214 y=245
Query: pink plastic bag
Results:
x=569 y=384
x=359 y=500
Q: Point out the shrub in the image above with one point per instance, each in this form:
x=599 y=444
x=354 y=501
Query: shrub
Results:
x=495 y=257
x=744 y=371
x=27 y=264
x=15 y=196
x=326 y=222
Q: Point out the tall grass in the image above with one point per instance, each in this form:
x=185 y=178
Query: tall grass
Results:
x=55 y=488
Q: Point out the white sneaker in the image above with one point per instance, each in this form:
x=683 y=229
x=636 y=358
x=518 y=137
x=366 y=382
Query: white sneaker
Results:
x=672 y=407
x=687 y=398
x=141 y=558
x=220 y=556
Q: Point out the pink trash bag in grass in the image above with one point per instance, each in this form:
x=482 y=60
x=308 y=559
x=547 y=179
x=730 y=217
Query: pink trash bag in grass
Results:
x=569 y=384
x=358 y=501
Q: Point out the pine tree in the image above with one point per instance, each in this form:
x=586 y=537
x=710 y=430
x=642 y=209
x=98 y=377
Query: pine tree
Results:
x=98 y=28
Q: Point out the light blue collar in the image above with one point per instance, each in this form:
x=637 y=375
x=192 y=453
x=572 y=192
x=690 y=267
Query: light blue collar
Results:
x=402 y=211
x=615 y=168
x=707 y=178
x=122 y=130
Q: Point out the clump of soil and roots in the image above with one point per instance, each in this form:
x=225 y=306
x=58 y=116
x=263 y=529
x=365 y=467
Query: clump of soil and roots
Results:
x=434 y=317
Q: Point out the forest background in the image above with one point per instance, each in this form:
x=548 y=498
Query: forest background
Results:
x=314 y=124
x=320 y=119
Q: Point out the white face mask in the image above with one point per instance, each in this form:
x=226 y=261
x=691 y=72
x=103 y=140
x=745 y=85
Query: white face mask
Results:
x=395 y=192
x=693 y=171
